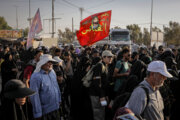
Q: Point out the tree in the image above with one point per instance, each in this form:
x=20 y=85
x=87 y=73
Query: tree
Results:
x=3 y=24
x=146 y=37
x=66 y=36
x=26 y=30
x=156 y=29
x=136 y=35
x=172 y=33
x=117 y=27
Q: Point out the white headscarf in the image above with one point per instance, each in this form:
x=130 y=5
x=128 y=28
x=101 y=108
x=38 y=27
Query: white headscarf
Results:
x=43 y=60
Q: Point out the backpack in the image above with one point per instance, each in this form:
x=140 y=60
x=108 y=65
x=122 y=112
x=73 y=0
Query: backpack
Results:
x=87 y=79
x=121 y=100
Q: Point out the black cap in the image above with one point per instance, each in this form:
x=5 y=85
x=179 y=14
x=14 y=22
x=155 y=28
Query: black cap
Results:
x=16 y=89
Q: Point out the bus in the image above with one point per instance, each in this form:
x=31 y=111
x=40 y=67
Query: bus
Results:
x=120 y=37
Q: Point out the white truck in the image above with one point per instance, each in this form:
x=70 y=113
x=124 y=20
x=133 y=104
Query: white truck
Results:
x=120 y=37
x=117 y=37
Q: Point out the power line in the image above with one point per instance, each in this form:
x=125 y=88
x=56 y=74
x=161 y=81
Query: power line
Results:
x=110 y=1
x=71 y=4
x=42 y=16
x=160 y=24
x=63 y=4
x=22 y=1
x=80 y=8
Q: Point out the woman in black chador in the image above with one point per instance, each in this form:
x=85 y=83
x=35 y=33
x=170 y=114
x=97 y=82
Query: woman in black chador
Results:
x=8 y=69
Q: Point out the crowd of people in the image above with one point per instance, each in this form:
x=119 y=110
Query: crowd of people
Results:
x=46 y=83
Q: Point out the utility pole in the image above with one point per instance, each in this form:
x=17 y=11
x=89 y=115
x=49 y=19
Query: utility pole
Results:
x=29 y=19
x=151 y=21
x=29 y=13
x=16 y=16
x=72 y=29
x=81 y=12
x=52 y=18
x=50 y=23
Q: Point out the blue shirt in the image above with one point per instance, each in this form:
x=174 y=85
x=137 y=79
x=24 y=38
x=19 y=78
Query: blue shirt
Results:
x=48 y=96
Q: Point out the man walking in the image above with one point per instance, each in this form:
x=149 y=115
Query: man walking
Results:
x=151 y=109
x=46 y=102
x=99 y=86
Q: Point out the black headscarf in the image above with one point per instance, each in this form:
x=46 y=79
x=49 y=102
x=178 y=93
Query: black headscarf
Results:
x=139 y=69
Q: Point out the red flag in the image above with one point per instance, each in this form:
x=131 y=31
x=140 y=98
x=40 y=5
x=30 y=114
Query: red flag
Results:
x=94 y=28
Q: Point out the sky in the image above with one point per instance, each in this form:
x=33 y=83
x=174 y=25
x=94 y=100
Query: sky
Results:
x=124 y=12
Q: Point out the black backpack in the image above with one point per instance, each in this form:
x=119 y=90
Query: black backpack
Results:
x=121 y=100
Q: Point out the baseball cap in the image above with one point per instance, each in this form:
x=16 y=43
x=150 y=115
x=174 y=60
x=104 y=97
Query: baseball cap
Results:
x=107 y=53
x=160 y=67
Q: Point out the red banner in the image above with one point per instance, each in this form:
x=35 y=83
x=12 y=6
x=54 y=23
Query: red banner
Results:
x=94 y=28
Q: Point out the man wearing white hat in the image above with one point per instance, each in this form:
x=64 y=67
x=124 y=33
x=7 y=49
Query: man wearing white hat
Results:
x=98 y=88
x=46 y=102
x=151 y=109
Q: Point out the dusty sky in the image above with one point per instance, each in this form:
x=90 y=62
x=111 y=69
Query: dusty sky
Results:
x=124 y=12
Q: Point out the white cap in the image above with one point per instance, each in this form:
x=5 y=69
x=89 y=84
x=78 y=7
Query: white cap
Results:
x=107 y=53
x=160 y=67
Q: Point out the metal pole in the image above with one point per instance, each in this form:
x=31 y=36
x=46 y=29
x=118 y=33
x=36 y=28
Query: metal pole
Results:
x=49 y=25
x=16 y=18
x=72 y=30
x=54 y=25
x=52 y=18
x=157 y=39
x=81 y=13
x=151 y=21
x=44 y=25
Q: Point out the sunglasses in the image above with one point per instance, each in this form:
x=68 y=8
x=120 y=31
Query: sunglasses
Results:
x=95 y=22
